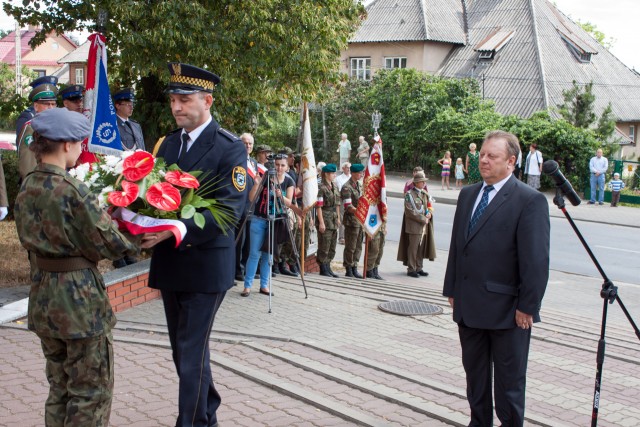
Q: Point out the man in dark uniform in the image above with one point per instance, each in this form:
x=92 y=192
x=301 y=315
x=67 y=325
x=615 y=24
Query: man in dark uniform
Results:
x=73 y=97
x=195 y=276
x=130 y=130
x=242 y=246
x=353 y=231
x=31 y=112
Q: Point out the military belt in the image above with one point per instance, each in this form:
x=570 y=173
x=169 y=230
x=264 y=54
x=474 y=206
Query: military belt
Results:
x=58 y=265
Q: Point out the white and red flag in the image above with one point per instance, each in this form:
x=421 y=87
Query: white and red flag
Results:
x=372 y=205
x=308 y=165
x=98 y=106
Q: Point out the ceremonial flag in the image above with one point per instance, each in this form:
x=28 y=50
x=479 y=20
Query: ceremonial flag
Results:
x=308 y=164
x=98 y=106
x=372 y=205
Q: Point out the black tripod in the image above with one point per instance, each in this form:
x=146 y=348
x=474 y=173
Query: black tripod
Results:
x=276 y=211
x=609 y=293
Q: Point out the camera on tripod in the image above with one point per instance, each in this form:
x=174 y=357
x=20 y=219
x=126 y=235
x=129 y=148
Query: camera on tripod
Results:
x=271 y=164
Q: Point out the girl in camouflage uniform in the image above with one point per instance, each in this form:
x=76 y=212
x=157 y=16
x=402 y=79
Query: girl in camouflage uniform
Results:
x=328 y=219
x=66 y=233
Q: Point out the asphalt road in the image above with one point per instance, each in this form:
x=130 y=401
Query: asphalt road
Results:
x=614 y=247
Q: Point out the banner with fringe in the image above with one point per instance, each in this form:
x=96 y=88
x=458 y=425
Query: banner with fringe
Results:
x=372 y=205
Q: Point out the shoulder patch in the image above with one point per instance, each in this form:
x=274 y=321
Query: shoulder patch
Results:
x=239 y=178
x=229 y=135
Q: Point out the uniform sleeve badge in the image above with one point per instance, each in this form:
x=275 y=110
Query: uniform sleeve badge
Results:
x=239 y=178
x=28 y=140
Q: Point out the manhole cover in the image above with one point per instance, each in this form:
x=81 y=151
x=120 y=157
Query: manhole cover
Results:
x=410 y=308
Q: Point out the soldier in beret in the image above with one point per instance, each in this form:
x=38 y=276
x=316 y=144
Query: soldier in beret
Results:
x=73 y=98
x=43 y=97
x=353 y=231
x=36 y=107
x=195 y=276
x=61 y=224
x=130 y=130
x=327 y=219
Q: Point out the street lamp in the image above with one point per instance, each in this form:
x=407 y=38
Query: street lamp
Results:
x=375 y=122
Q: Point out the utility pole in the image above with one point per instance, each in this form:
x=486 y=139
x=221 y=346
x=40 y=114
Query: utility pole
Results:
x=482 y=85
x=18 y=39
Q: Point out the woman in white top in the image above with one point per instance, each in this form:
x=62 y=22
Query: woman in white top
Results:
x=533 y=166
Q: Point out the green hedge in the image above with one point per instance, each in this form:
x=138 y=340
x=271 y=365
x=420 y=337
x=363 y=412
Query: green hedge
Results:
x=11 y=176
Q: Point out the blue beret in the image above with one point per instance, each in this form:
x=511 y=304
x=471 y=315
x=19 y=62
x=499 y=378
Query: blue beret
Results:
x=52 y=80
x=43 y=92
x=329 y=168
x=186 y=79
x=357 y=167
x=125 y=94
x=71 y=92
x=60 y=124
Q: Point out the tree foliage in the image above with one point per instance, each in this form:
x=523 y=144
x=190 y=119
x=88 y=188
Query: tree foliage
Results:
x=598 y=35
x=267 y=52
x=11 y=104
x=578 y=109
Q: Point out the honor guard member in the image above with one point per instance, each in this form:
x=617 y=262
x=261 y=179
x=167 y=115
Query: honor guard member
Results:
x=194 y=276
x=44 y=98
x=376 y=249
x=130 y=130
x=416 y=235
x=30 y=112
x=73 y=98
x=327 y=219
x=353 y=231
x=61 y=224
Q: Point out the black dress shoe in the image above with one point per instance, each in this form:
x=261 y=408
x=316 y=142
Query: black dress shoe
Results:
x=423 y=273
x=413 y=274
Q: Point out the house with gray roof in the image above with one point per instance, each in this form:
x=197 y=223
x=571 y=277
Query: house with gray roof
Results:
x=524 y=53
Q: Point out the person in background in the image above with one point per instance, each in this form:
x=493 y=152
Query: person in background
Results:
x=4 y=200
x=73 y=98
x=445 y=162
x=60 y=222
x=344 y=148
x=416 y=236
x=36 y=106
x=616 y=185
x=262 y=152
x=319 y=167
x=353 y=231
x=327 y=219
x=409 y=184
x=340 y=181
x=363 y=150
x=244 y=239
x=533 y=167
x=598 y=166
x=471 y=164
x=287 y=263
x=518 y=166
x=459 y=171
x=130 y=130
x=496 y=276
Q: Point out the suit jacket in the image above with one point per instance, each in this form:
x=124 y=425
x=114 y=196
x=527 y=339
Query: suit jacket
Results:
x=131 y=137
x=205 y=260
x=503 y=264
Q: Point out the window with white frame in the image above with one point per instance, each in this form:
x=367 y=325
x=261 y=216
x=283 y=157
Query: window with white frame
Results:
x=79 y=76
x=632 y=133
x=395 y=62
x=40 y=73
x=361 y=68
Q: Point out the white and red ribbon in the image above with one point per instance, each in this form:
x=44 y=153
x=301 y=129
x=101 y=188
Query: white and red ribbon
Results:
x=139 y=224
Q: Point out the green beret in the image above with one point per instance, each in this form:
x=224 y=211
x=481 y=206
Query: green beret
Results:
x=329 y=168
x=357 y=167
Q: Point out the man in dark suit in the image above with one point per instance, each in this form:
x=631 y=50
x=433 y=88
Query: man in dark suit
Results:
x=130 y=130
x=195 y=276
x=496 y=276
x=242 y=247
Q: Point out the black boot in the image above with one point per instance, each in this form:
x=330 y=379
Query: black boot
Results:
x=357 y=275
x=376 y=275
x=294 y=268
x=349 y=272
x=370 y=274
x=275 y=269
x=330 y=271
x=284 y=269
x=324 y=271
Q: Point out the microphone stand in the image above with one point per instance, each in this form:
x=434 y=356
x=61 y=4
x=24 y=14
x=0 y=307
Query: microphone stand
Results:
x=609 y=293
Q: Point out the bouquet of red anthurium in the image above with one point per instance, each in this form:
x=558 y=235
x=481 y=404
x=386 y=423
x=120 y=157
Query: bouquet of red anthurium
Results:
x=148 y=196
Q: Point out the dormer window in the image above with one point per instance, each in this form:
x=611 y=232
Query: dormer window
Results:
x=486 y=54
x=580 y=49
x=491 y=44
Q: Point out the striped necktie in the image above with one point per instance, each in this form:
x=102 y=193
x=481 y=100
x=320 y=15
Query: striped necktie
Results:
x=484 y=202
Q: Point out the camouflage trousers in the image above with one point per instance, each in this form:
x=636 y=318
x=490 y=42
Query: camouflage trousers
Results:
x=80 y=375
x=327 y=245
x=287 y=254
x=376 y=248
x=352 y=245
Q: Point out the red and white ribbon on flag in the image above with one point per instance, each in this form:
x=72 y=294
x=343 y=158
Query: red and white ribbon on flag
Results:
x=140 y=224
x=372 y=205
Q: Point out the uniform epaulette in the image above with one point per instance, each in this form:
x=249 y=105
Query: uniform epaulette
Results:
x=231 y=136
x=81 y=187
x=133 y=121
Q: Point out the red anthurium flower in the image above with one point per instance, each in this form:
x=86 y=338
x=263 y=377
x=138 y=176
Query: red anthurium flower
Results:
x=164 y=196
x=125 y=196
x=182 y=179
x=137 y=166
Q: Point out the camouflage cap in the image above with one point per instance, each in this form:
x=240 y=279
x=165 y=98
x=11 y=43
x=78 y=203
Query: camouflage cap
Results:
x=286 y=150
x=263 y=148
x=60 y=124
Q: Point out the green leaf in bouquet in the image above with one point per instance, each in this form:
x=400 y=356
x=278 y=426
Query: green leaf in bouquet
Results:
x=188 y=211
x=223 y=215
x=199 y=219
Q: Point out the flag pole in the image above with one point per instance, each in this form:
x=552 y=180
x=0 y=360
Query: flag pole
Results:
x=366 y=254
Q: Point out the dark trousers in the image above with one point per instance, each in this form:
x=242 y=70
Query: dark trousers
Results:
x=242 y=247
x=504 y=351
x=190 y=318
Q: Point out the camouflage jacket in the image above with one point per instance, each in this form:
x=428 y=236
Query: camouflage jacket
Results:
x=350 y=193
x=329 y=196
x=58 y=217
x=26 y=159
